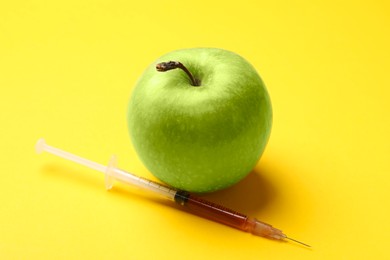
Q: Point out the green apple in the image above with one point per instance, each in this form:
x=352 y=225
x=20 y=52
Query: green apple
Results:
x=201 y=127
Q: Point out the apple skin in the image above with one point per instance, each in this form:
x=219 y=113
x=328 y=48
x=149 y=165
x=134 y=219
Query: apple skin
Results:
x=205 y=138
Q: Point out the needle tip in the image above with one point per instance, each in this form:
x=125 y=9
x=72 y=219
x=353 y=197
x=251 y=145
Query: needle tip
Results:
x=299 y=242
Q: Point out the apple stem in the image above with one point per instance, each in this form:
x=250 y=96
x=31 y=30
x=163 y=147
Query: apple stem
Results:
x=170 y=65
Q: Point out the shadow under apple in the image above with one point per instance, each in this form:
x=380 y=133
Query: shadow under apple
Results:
x=248 y=196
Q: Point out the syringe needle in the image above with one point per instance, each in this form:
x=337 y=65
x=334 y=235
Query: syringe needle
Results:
x=292 y=239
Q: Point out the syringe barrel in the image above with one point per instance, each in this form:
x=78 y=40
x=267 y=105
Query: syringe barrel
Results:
x=143 y=183
x=229 y=217
x=212 y=211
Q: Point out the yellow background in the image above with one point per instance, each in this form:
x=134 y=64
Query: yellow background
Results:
x=66 y=72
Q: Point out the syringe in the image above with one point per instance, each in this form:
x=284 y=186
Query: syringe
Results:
x=194 y=204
